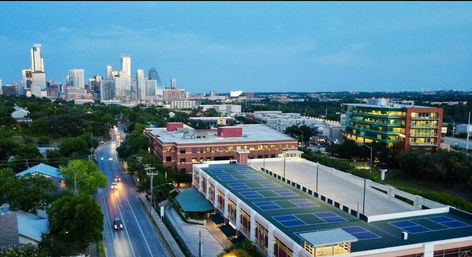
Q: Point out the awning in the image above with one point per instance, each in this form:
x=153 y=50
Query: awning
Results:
x=192 y=201
x=228 y=230
x=327 y=237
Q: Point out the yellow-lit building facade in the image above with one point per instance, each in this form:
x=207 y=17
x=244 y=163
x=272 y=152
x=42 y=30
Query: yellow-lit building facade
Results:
x=399 y=127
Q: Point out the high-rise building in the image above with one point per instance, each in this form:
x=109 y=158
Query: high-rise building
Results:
x=155 y=76
x=398 y=126
x=1 y=91
x=107 y=89
x=140 y=84
x=94 y=84
x=75 y=78
x=34 y=79
x=53 y=89
x=126 y=65
x=109 y=72
x=37 y=64
x=173 y=83
x=151 y=87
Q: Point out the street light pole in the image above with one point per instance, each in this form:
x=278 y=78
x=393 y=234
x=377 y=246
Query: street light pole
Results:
x=363 y=198
x=284 y=166
x=370 y=163
x=317 y=165
x=150 y=172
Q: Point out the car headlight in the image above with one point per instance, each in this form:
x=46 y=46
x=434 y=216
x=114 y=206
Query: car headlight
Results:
x=116 y=227
x=121 y=225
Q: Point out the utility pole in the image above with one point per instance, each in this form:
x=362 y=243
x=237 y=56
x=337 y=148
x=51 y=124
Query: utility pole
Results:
x=200 y=244
x=150 y=172
x=363 y=198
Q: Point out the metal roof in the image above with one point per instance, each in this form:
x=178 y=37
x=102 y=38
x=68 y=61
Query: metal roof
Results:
x=192 y=201
x=44 y=169
x=328 y=237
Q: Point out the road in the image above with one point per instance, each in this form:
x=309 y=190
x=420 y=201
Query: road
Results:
x=138 y=238
x=461 y=142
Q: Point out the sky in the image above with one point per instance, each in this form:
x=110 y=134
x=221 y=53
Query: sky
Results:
x=250 y=46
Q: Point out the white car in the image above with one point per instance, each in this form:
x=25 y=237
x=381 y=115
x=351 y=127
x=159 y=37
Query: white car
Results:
x=110 y=159
x=114 y=186
x=101 y=158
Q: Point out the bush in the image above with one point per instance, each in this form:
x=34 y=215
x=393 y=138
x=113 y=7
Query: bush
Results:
x=441 y=197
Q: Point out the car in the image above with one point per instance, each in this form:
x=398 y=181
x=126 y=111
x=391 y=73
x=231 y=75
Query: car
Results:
x=117 y=179
x=114 y=186
x=117 y=224
x=101 y=158
x=110 y=159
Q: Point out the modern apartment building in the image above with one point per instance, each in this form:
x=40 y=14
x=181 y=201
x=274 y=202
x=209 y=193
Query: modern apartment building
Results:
x=179 y=146
x=398 y=126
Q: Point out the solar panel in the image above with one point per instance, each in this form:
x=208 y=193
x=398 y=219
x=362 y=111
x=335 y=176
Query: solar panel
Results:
x=454 y=224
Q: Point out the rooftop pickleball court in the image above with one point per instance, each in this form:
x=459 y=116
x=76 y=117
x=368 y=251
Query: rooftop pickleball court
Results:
x=289 y=220
x=329 y=217
x=226 y=177
x=267 y=205
x=360 y=232
x=238 y=185
x=284 y=192
x=302 y=202
x=448 y=222
x=268 y=184
x=410 y=226
x=251 y=195
x=254 y=176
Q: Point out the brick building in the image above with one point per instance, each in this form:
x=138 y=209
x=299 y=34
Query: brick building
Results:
x=179 y=146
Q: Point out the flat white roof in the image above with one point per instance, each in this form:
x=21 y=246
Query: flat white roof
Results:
x=328 y=237
x=251 y=133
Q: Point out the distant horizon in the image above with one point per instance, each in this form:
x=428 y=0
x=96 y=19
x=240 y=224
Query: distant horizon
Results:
x=250 y=46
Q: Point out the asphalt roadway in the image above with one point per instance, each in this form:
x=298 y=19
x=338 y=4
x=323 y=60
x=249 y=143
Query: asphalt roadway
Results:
x=137 y=238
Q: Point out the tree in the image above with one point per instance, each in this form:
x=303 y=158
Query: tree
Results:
x=132 y=144
x=83 y=176
x=28 y=193
x=75 y=221
x=73 y=145
x=23 y=251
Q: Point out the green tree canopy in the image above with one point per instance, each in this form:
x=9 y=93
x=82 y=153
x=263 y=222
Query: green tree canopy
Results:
x=23 y=251
x=83 y=176
x=69 y=146
x=75 y=221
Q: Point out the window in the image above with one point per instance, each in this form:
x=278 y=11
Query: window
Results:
x=168 y=158
x=194 y=150
x=194 y=160
x=182 y=150
x=182 y=161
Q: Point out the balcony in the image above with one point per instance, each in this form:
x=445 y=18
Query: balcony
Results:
x=377 y=115
x=424 y=118
x=424 y=126
x=422 y=144
x=377 y=123
x=423 y=135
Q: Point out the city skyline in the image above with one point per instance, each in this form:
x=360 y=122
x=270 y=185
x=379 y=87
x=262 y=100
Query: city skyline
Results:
x=260 y=47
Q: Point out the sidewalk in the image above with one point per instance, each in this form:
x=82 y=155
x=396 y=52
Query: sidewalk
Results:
x=216 y=232
x=167 y=236
x=190 y=235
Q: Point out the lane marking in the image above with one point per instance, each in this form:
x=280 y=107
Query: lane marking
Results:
x=126 y=230
x=139 y=226
x=111 y=229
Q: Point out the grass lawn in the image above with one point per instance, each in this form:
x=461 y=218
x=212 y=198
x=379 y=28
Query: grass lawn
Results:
x=101 y=248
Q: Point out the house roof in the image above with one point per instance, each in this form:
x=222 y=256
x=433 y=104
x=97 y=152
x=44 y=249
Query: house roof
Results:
x=44 y=169
x=32 y=226
x=8 y=230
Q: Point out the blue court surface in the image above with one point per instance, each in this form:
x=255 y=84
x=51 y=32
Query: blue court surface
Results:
x=254 y=176
x=448 y=222
x=360 y=233
x=226 y=177
x=268 y=184
x=329 y=217
x=410 y=227
x=284 y=192
x=304 y=203
x=289 y=220
x=238 y=185
x=267 y=205
x=251 y=195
